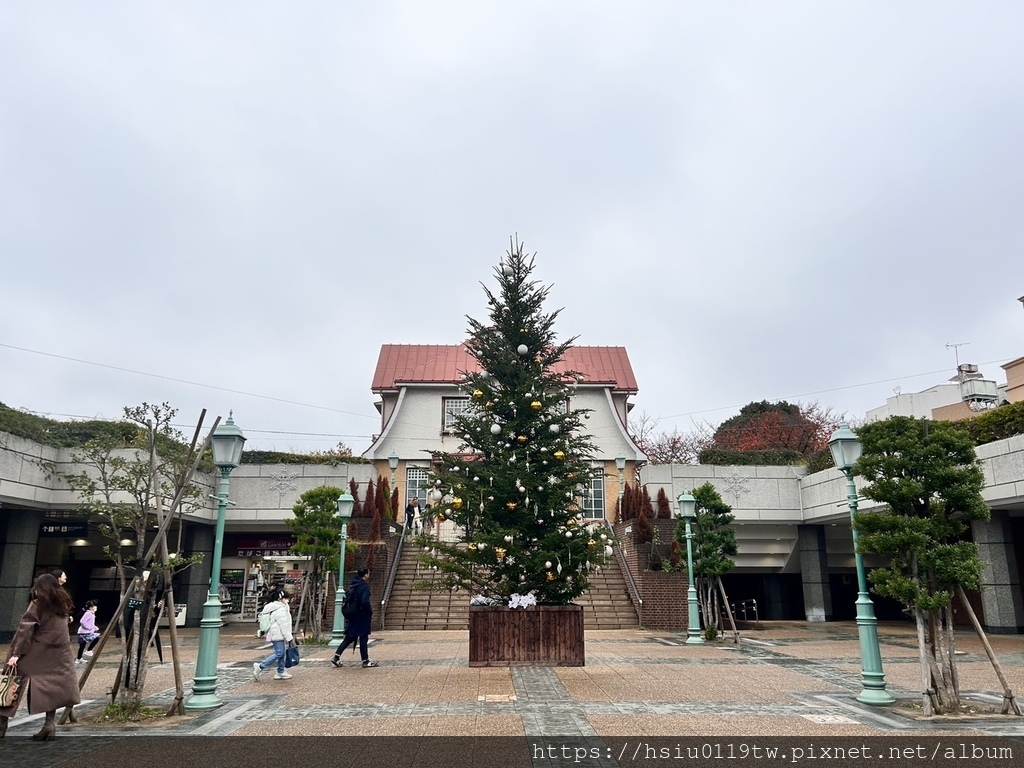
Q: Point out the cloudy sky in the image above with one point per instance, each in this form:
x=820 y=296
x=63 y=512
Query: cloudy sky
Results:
x=233 y=205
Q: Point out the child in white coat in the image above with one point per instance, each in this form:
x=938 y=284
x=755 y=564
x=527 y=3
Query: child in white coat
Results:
x=279 y=633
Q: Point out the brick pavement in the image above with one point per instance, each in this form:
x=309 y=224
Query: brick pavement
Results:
x=787 y=679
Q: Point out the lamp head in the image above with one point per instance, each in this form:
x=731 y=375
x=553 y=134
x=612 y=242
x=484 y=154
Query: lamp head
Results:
x=226 y=442
x=687 y=506
x=393 y=461
x=845 y=448
x=620 y=462
x=345 y=505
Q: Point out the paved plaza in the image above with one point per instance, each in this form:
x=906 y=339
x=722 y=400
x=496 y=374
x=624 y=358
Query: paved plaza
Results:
x=786 y=679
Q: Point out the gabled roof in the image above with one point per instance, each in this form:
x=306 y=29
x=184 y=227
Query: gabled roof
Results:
x=401 y=364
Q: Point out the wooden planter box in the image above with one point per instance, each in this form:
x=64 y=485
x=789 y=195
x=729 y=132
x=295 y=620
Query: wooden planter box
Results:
x=541 y=636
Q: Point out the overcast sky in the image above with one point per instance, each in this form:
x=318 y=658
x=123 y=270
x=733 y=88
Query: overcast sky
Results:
x=766 y=200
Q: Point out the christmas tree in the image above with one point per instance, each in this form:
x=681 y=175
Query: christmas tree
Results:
x=514 y=487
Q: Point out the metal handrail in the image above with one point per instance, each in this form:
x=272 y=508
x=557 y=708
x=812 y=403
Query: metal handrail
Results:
x=391 y=576
x=742 y=607
x=625 y=569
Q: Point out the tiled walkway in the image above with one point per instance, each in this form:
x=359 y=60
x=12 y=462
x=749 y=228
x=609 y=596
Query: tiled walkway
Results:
x=787 y=679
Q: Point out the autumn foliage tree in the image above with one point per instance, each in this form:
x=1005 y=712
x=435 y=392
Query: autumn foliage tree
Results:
x=772 y=433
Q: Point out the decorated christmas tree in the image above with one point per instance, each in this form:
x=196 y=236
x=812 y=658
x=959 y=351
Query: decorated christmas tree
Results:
x=515 y=486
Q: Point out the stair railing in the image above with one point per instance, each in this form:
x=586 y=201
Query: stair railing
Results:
x=621 y=557
x=391 y=577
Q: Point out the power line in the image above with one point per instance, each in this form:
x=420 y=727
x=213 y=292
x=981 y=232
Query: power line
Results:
x=833 y=389
x=185 y=381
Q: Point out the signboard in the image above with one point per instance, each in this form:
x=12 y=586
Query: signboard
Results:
x=63 y=529
x=261 y=546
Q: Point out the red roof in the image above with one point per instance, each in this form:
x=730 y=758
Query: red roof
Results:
x=400 y=364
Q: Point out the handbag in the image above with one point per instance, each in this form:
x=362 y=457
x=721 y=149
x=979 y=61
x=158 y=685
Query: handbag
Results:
x=291 y=656
x=10 y=686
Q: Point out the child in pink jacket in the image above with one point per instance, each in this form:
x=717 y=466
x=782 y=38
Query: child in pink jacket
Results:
x=88 y=635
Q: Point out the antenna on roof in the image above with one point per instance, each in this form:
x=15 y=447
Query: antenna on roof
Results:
x=956 y=351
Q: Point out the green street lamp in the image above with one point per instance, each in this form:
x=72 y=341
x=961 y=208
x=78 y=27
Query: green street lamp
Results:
x=226 y=443
x=393 y=465
x=846 y=449
x=688 y=511
x=345 y=504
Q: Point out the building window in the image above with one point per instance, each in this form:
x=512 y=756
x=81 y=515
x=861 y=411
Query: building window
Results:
x=416 y=485
x=593 y=498
x=453 y=407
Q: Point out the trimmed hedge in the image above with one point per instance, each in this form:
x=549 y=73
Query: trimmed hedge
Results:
x=75 y=434
x=283 y=457
x=63 y=434
x=773 y=457
x=997 y=424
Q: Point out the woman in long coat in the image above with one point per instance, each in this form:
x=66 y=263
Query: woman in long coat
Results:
x=41 y=650
x=357 y=625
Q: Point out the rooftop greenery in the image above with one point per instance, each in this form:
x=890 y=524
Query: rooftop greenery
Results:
x=75 y=434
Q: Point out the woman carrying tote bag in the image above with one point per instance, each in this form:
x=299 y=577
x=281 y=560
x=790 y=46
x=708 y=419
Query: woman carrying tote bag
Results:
x=41 y=652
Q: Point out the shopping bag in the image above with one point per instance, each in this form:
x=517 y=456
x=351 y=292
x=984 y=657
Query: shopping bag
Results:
x=291 y=656
x=10 y=686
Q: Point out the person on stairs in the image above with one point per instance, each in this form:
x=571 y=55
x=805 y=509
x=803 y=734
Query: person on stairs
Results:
x=41 y=650
x=357 y=624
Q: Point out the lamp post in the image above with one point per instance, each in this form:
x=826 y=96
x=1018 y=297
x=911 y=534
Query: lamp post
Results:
x=846 y=449
x=345 y=504
x=620 y=464
x=393 y=465
x=226 y=443
x=688 y=511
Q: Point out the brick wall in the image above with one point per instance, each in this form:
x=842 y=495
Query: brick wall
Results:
x=663 y=592
x=664 y=605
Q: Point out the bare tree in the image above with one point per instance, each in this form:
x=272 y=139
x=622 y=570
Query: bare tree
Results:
x=673 y=447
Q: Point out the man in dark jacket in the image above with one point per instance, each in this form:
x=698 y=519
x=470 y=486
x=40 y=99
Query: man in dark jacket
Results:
x=358 y=619
x=412 y=512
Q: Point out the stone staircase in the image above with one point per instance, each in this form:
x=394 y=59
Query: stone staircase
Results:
x=606 y=605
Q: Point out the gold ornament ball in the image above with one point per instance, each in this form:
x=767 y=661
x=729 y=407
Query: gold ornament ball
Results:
x=478 y=394
x=536 y=405
x=510 y=505
x=521 y=439
x=551 y=576
x=488 y=404
x=457 y=503
x=559 y=455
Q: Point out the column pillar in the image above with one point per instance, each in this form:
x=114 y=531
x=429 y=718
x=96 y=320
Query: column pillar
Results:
x=19 y=542
x=814 y=572
x=1000 y=581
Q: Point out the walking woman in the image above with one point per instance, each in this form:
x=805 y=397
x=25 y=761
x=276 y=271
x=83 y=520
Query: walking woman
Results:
x=41 y=650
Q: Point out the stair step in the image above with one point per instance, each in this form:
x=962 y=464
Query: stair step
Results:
x=606 y=605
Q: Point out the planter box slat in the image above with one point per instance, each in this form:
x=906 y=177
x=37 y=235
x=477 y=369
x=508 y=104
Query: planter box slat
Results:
x=542 y=635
